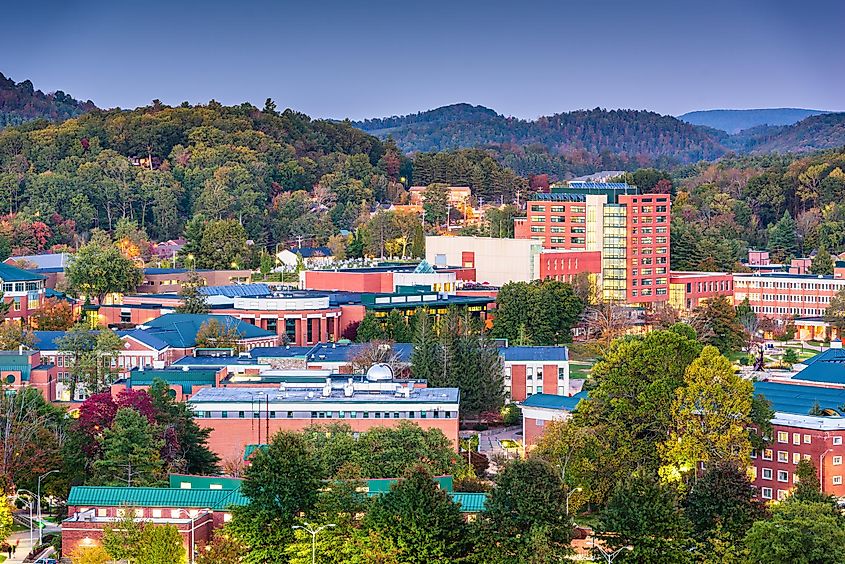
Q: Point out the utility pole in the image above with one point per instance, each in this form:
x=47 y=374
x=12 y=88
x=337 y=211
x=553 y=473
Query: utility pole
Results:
x=313 y=530
x=40 y=522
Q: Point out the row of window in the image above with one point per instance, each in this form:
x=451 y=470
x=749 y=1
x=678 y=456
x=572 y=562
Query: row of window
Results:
x=558 y=208
x=22 y=286
x=796 y=298
x=433 y=414
x=141 y=513
x=647 y=271
x=649 y=209
x=802 y=285
x=647 y=230
x=648 y=261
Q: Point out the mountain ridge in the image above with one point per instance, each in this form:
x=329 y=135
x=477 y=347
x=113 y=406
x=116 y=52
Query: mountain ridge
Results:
x=21 y=102
x=733 y=121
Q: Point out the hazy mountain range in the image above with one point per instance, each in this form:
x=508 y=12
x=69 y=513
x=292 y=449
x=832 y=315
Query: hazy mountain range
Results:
x=625 y=138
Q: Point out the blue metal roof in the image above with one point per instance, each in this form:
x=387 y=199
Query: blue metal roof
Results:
x=237 y=290
x=45 y=261
x=828 y=356
x=214 y=361
x=309 y=252
x=339 y=352
x=179 y=330
x=47 y=340
x=534 y=354
x=149 y=338
x=552 y=401
x=279 y=352
x=560 y=197
x=799 y=399
x=174 y=377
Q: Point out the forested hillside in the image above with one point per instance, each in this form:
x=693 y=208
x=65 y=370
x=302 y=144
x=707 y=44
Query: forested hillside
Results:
x=176 y=171
x=791 y=206
x=734 y=121
x=20 y=103
x=825 y=131
x=633 y=136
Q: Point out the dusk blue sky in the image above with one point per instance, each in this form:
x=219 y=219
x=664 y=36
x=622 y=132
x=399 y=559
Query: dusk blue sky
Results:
x=361 y=59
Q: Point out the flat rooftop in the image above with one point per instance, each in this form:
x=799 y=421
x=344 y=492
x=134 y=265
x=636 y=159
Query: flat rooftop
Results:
x=293 y=395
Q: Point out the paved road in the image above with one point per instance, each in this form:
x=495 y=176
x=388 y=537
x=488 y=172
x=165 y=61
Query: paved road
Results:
x=21 y=538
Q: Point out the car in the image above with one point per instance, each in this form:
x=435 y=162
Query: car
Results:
x=46 y=561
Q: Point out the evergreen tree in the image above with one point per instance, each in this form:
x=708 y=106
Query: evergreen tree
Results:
x=799 y=532
x=370 y=329
x=130 y=452
x=525 y=518
x=783 y=238
x=644 y=513
x=396 y=327
x=809 y=489
x=186 y=443
x=280 y=483
x=425 y=358
x=421 y=519
x=723 y=500
x=822 y=263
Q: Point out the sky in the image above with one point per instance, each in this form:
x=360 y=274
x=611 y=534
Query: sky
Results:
x=373 y=58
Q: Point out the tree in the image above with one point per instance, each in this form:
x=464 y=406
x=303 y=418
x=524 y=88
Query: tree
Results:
x=90 y=555
x=500 y=221
x=809 y=489
x=425 y=360
x=193 y=301
x=607 y=321
x=5 y=517
x=783 y=238
x=53 y=315
x=790 y=357
x=223 y=245
x=645 y=514
x=630 y=407
x=822 y=263
x=280 y=483
x=14 y=334
x=130 y=452
x=141 y=542
x=710 y=417
x=185 y=443
x=99 y=268
x=798 y=533
x=546 y=309
x=526 y=515
x=370 y=329
x=217 y=334
x=223 y=549
x=723 y=500
x=835 y=312
x=421 y=519
x=384 y=452
x=716 y=324
x=565 y=445
x=435 y=203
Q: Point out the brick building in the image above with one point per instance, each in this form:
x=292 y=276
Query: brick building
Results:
x=783 y=295
x=536 y=370
x=629 y=229
x=688 y=290
x=23 y=290
x=541 y=409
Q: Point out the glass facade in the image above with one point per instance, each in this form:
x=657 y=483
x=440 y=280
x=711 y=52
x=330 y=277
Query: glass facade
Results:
x=614 y=252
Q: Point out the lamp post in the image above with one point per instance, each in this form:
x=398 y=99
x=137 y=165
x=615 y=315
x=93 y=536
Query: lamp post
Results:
x=40 y=522
x=29 y=503
x=578 y=489
x=193 y=519
x=313 y=530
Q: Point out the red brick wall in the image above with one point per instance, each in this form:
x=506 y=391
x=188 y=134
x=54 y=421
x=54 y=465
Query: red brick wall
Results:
x=518 y=383
x=648 y=211
x=564 y=266
x=229 y=436
x=349 y=281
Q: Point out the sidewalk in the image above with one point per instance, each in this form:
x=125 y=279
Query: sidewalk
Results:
x=22 y=538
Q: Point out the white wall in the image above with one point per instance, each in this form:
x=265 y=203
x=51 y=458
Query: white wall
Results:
x=497 y=261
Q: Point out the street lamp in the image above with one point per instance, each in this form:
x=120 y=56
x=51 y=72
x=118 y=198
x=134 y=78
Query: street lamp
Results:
x=578 y=489
x=193 y=519
x=29 y=503
x=40 y=521
x=313 y=530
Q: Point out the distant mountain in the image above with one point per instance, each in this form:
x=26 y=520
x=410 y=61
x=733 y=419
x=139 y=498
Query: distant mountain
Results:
x=734 y=121
x=638 y=135
x=824 y=131
x=21 y=102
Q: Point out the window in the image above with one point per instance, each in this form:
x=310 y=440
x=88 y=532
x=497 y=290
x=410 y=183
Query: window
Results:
x=766 y=473
x=783 y=476
x=837 y=461
x=782 y=495
x=783 y=437
x=796 y=438
x=766 y=493
x=808 y=439
x=837 y=480
x=783 y=456
x=796 y=457
x=156 y=513
x=837 y=440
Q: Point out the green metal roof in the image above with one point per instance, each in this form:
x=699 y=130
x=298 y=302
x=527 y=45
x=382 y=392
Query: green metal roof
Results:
x=103 y=496
x=9 y=273
x=205 y=482
x=185 y=378
x=249 y=449
x=382 y=485
x=470 y=502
